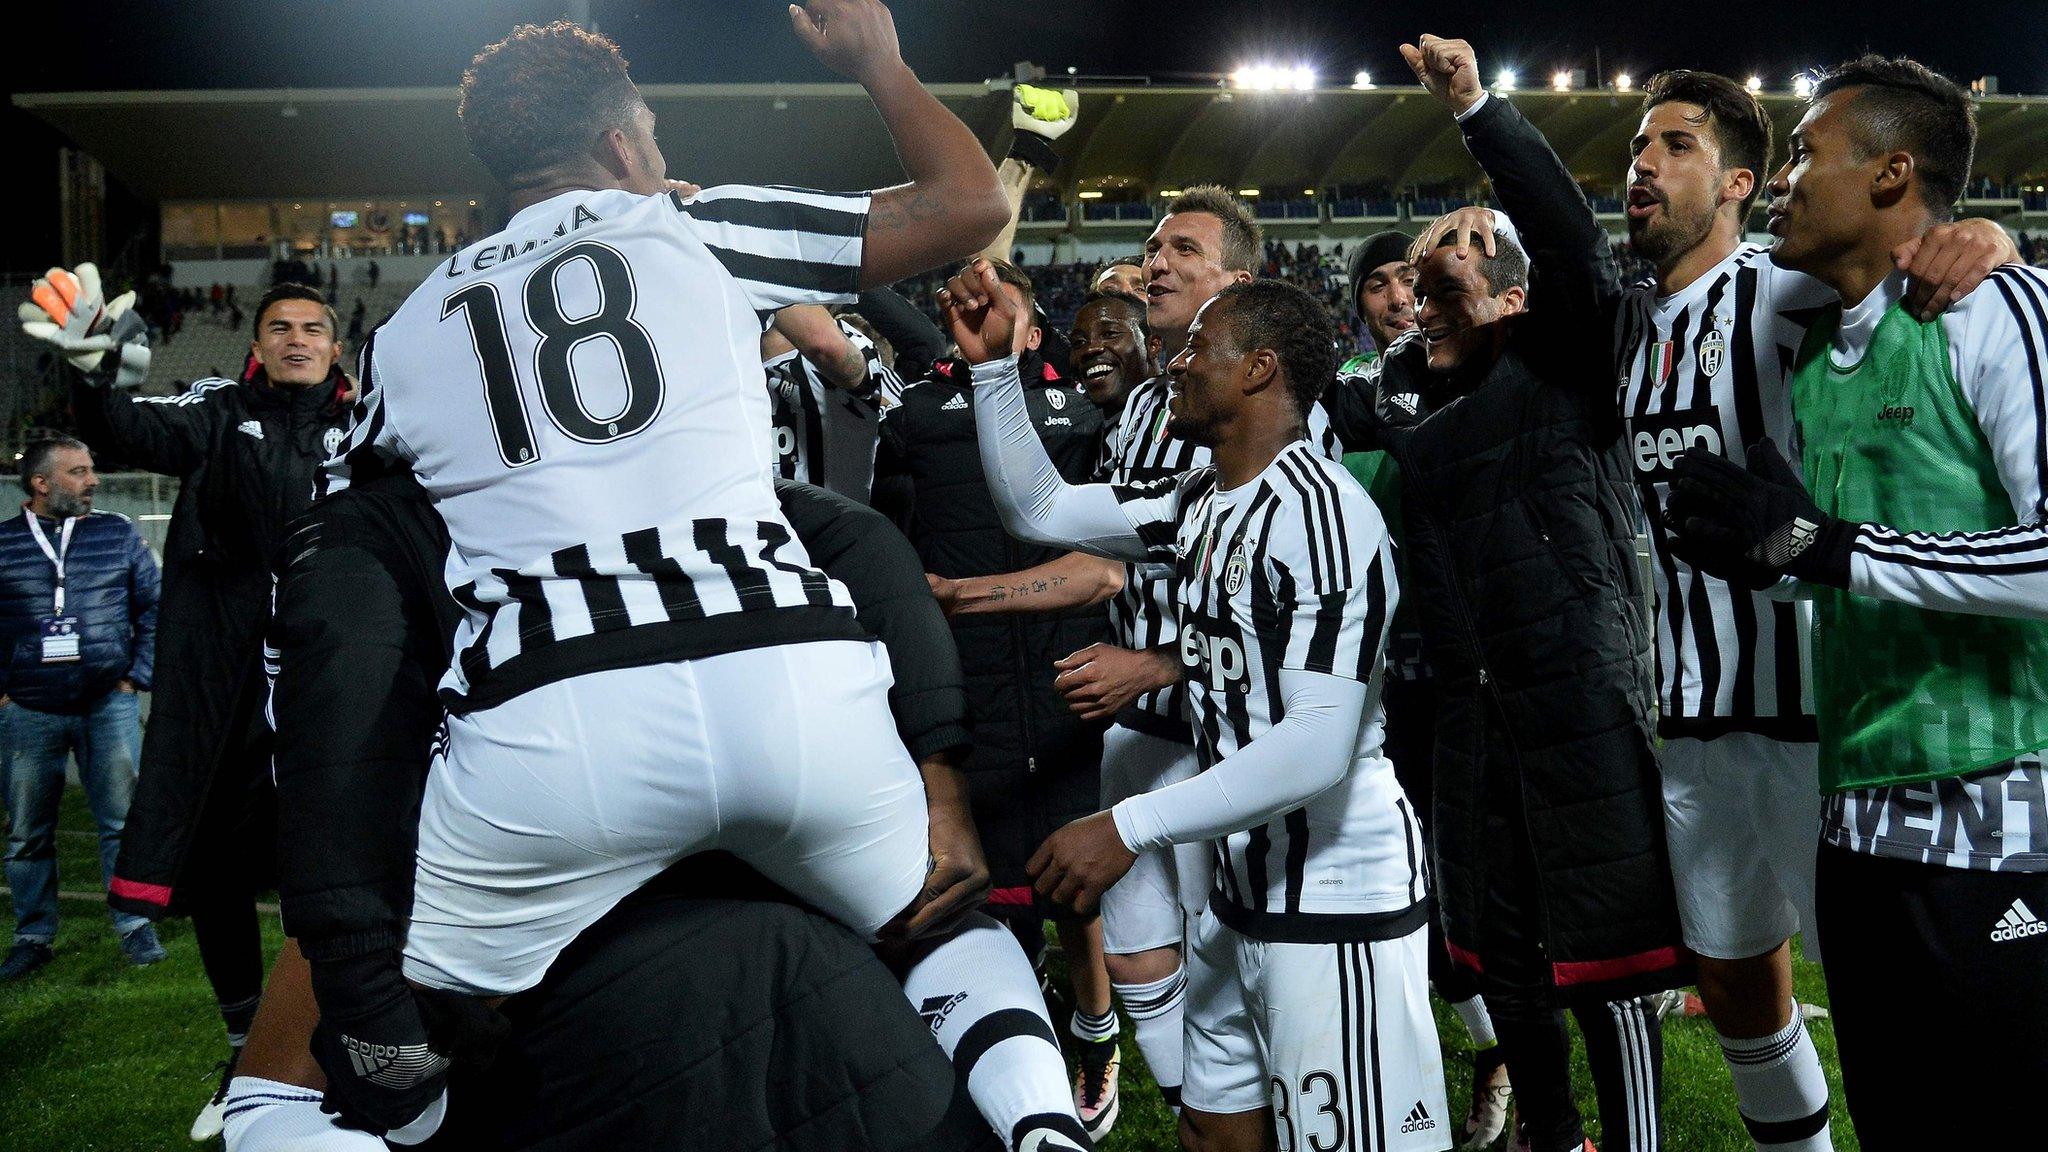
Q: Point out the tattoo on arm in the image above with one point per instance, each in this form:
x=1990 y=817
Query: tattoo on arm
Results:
x=890 y=211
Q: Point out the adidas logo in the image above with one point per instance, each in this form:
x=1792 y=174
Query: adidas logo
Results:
x=2016 y=924
x=251 y=428
x=955 y=404
x=1405 y=401
x=1418 y=1119
x=935 y=1009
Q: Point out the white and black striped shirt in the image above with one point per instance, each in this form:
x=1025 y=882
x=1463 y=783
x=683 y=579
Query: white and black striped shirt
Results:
x=1138 y=449
x=1713 y=370
x=583 y=396
x=1292 y=570
x=826 y=435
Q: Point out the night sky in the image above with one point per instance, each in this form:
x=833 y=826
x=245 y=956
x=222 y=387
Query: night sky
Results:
x=128 y=44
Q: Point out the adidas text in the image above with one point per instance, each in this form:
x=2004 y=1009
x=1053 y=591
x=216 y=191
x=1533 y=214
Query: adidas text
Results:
x=1418 y=1120
x=2018 y=923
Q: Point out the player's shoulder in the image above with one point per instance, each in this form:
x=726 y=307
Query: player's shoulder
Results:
x=1321 y=496
x=2005 y=319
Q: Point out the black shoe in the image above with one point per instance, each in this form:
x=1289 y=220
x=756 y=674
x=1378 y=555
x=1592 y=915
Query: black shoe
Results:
x=25 y=957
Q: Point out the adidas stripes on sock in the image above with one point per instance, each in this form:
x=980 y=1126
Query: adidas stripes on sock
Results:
x=1780 y=1089
x=262 y=1114
x=1472 y=1010
x=981 y=999
x=1156 y=1010
x=1093 y=1029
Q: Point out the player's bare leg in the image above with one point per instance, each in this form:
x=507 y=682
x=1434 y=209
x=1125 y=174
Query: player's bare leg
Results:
x=1778 y=1083
x=1228 y=1131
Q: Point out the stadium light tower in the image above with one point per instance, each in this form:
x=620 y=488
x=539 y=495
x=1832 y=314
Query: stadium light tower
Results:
x=1755 y=84
x=1363 y=81
x=1505 y=80
x=1802 y=85
x=1560 y=81
x=1623 y=82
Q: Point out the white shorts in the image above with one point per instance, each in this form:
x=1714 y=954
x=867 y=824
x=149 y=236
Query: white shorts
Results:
x=1742 y=816
x=1338 y=1039
x=1166 y=887
x=548 y=810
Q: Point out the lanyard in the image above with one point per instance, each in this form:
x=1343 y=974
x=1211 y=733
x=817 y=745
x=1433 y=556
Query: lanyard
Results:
x=56 y=554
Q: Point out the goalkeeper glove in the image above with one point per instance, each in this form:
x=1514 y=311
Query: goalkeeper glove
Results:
x=1041 y=116
x=1751 y=526
x=65 y=311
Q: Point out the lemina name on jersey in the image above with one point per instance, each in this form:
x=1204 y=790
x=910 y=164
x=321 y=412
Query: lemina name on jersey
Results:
x=606 y=474
x=1709 y=371
x=1293 y=570
x=1136 y=450
x=824 y=435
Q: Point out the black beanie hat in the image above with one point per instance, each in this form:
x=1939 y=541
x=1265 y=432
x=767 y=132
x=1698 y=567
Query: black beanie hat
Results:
x=1384 y=248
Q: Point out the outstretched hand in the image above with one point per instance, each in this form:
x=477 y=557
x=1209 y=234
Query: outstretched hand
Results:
x=855 y=38
x=1448 y=68
x=979 y=315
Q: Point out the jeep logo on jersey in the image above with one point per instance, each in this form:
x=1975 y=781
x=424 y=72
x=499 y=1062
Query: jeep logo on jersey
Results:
x=785 y=441
x=1656 y=438
x=1219 y=659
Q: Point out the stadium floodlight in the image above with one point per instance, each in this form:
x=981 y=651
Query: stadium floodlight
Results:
x=1272 y=77
x=1091 y=194
x=1302 y=78
x=1623 y=82
x=1755 y=84
x=1363 y=81
x=1560 y=81
x=1248 y=193
x=1505 y=80
x=1802 y=85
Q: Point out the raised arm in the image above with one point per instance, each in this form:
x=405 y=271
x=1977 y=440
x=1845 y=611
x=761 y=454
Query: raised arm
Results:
x=918 y=341
x=815 y=335
x=1035 y=502
x=953 y=204
x=1571 y=265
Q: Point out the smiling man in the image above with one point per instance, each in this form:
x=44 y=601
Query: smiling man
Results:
x=201 y=835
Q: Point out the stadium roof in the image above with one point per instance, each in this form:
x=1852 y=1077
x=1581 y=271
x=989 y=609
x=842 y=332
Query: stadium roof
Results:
x=264 y=144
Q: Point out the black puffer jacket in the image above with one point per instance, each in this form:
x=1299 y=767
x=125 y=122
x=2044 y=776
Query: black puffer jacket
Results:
x=1519 y=524
x=245 y=454
x=1034 y=766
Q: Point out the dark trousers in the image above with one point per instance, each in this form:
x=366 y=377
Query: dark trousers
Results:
x=232 y=860
x=1938 y=984
x=1411 y=745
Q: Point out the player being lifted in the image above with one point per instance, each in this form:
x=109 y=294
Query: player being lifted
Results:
x=582 y=395
x=1308 y=1009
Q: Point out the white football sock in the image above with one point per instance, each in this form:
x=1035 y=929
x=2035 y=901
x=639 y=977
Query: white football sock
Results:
x=1780 y=1089
x=1473 y=1012
x=1156 y=1010
x=979 y=996
x=266 y=1116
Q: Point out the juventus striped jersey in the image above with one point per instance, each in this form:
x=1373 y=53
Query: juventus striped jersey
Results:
x=1136 y=449
x=825 y=435
x=1711 y=370
x=1997 y=341
x=582 y=395
x=1292 y=570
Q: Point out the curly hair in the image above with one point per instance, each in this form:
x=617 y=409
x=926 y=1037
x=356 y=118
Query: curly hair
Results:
x=1276 y=315
x=539 y=96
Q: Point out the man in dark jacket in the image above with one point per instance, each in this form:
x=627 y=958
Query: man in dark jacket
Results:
x=1519 y=525
x=663 y=1022
x=78 y=593
x=201 y=837
x=1035 y=765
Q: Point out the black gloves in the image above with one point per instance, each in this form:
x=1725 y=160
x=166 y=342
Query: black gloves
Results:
x=386 y=1046
x=1752 y=526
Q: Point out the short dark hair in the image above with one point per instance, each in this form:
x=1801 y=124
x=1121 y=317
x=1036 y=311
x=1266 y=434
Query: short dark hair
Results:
x=1243 y=239
x=1741 y=128
x=1295 y=325
x=539 y=96
x=1125 y=298
x=1015 y=277
x=1507 y=268
x=1903 y=105
x=283 y=292
x=1137 y=261
x=35 y=459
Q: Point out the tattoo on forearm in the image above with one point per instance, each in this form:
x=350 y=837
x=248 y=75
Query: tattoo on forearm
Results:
x=999 y=593
x=886 y=214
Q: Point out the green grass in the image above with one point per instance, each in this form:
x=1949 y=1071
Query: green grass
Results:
x=98 y=1054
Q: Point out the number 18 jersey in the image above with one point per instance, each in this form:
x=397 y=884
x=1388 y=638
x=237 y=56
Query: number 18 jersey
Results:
x=582 y=395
